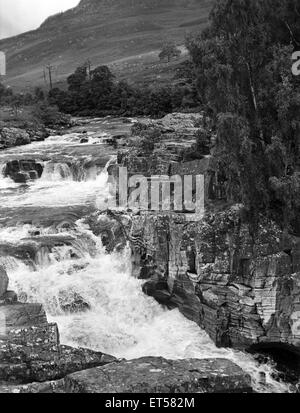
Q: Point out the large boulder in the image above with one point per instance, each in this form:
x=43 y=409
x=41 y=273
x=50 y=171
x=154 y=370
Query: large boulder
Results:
x=13 y=137
x=23 y=364
x=173 y=122
x=3 y=281
x=32 y=353
x=21 y=171
x=178 y=121
x=157 y=375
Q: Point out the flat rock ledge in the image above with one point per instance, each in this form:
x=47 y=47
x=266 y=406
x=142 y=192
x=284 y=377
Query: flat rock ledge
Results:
x=148 y=375
x=157 y=375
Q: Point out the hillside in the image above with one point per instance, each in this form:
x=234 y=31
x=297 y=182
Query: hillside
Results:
x=104 y=31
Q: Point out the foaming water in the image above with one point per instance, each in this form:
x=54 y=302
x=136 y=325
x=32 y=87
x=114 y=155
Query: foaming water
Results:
x=5 y=183
x=120 y=319
x=60 y=190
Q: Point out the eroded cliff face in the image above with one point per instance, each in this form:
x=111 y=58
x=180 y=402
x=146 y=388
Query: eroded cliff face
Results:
x=242 y=290
x=241 y=287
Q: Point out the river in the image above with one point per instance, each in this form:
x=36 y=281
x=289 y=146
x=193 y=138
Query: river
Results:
x=70 y=265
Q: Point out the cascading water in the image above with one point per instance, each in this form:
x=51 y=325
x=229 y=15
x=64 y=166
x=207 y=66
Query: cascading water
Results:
x=5 y=182
x=111 y=313
x=90 y=293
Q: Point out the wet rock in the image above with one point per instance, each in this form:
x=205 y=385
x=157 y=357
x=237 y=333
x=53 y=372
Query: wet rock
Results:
x=21 y=171
x=156 y=375
x=3 y=281
x=20 y=315
x=46 y=388
x=22 y=364
x=179 y=121
x=34 y=354
x=73 y=302
x=10 y=297
x=21 y=178
x=84 y=140
x=38 y=135
x=110 y=230
x=33 y=249
x=120 y=137
x=67 y=360
x=33 y=175
x=160 y=291
x=126 y=121
x=173 y=122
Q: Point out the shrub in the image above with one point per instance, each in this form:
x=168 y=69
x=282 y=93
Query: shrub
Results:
x=50 y=115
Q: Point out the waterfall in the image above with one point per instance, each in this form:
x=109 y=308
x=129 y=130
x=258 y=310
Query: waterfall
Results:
x=77 y=171
x=56 y=172
x=99 y=305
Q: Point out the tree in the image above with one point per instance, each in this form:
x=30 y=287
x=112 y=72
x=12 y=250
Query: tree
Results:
x=169 y=51
x=102 y=85
x=77 y=79
x=242 y=65
x=39 y=94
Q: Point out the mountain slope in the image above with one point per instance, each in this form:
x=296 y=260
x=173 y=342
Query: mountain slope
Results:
x=100 y=30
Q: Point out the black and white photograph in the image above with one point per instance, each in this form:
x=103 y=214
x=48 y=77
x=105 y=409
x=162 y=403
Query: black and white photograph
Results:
x=149 y=199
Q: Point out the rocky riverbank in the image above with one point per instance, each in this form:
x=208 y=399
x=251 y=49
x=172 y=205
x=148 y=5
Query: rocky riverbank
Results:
x=11 y=136
x=32 y=356
x=242 y=288
x=32 y=360
x=29 y=125
x=213 y=270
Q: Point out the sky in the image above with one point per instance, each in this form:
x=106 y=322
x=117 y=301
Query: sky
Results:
x=18 y=16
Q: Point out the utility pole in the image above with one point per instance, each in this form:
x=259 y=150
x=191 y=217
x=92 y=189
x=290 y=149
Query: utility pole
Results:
x=2 y=65
x=50 y=69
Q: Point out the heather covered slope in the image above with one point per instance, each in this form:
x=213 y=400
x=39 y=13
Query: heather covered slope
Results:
x=103 y=31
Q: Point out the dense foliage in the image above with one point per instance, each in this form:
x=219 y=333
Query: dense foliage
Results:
x=169 y=51
x=97 y=92
x=27 y=110
x=8 y=97
x=242 y=64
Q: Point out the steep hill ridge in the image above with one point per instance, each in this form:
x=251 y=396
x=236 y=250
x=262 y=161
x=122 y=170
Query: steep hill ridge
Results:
x=102 y=31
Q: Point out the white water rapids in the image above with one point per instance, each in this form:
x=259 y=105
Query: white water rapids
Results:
x=120 y=320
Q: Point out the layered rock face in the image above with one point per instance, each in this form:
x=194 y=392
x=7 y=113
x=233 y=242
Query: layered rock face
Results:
x=241 y=290
x=241 y=287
